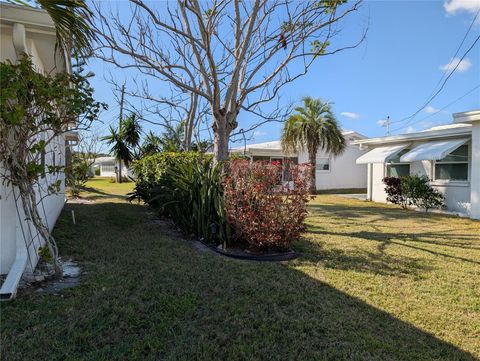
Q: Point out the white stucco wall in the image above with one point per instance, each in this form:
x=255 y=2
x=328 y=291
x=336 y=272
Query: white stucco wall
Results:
x=344 y=173
x=40 y=41
x=14 y=228
x=457 y=193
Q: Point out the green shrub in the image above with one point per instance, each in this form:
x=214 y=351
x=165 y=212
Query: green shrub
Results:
x=421 y=193
x=413 y=190
x=149 y=172
x=191 y=194
x=97 y=172
x=186 y=187
x=77 y=175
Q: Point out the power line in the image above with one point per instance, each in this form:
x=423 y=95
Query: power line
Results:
x=458 y=49
x=439 y=110
x=431 y=97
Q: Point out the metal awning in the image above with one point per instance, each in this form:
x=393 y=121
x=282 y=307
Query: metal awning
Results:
x=435 y=150
x=381 y=154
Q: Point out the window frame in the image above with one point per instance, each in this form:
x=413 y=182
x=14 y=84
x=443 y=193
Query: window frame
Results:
x=323 y=170
x=399 y=154
x=440 y=162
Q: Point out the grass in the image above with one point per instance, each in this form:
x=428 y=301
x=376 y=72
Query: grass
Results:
x=375 y=283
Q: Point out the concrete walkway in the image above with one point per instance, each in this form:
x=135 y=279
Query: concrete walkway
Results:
x=359 y=196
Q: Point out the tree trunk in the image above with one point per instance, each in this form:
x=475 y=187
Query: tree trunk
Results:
x=223 y=124
x=30 y=208
x=190 y=123
x=313 y=172
x=120 y=171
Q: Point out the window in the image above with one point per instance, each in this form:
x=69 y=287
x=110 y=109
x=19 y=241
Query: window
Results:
x=395 y=168
x=108 y=167
x=323 y=164
x=287 y=175
x=454 y=166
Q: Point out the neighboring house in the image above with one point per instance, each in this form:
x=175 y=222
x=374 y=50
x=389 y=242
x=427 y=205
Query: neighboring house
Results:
x=449 y=155
x=31 y=31
x=108 y=167
x=332 y=172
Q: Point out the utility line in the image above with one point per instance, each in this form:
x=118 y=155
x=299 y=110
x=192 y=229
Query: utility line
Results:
x=458 y=49
x=431 y=97
x=439 y=110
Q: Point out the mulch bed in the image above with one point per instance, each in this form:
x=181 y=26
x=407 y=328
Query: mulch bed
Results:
x=253 y=256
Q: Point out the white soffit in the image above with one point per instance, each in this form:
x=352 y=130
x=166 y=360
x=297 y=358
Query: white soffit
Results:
x=432 y=150
x=381 y=154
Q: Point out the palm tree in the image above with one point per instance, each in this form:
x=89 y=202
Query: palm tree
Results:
x=313 y=127
x=119 y=149
x=172 y=139
x=73 y=23
x=131 y=131
x=151 y=144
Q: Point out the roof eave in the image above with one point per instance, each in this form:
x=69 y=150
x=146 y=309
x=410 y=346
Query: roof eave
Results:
x=32 y=18
x=469 y=117
x=454 y=132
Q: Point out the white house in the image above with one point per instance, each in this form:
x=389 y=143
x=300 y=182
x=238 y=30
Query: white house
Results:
x=31 y=31
x=449 y=155
x=340 y=172
x=108 y=167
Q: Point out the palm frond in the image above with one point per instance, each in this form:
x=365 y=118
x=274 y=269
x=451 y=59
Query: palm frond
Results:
x=73 y=23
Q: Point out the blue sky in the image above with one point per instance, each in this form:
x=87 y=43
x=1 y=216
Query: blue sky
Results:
x=408 y=48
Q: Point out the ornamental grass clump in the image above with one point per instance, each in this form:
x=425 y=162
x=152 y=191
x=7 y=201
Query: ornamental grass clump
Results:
x=264 y=213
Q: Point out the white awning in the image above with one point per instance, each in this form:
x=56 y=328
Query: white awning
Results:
x=435 y=150
x=381 y=154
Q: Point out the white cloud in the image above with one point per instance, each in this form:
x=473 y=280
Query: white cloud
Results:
x=410 y=130
x=259 y=133
x=463 y=66
x=430 y=109
x=350 y=115
x=454 y=6
x=427 y=124
x=382 y=122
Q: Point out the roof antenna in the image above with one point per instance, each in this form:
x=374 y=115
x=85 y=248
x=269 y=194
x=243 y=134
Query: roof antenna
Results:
x=386 y=124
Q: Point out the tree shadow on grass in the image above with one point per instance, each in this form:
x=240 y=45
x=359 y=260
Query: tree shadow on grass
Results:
x=99 y=194
x=148 y=297
x=375 y=213
x=377 y=263
x=405 y=240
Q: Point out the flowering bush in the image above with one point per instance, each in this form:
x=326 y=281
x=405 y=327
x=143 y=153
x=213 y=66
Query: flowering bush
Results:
x=263 y=213
x=394 y=190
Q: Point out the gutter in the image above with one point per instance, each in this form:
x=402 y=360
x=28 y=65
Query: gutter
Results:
x=9 y=287
x=428 y=135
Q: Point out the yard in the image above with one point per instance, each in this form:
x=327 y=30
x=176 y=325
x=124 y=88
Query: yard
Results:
x=374 y=283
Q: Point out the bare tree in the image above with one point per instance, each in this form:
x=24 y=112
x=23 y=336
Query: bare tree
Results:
x=234 y=54
x=179 y=106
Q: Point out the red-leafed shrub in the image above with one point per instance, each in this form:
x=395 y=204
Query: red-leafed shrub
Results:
x=263 y=212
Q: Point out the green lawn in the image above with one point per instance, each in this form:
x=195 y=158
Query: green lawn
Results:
x=374 y=283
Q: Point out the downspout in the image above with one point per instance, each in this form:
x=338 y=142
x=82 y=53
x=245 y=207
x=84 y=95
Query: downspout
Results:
x=9 y=287
x=369 y=181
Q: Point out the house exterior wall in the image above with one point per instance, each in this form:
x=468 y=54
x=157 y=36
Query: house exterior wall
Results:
x=15 y=231
x=457 y=193
x=107 y=167
x=344 y=173
x=475 y=171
